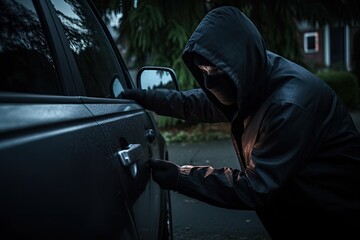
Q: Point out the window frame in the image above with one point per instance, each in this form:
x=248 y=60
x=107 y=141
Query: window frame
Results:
x=80 y=89
x=56 y=46
x=308 y=35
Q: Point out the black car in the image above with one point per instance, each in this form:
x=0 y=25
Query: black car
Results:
x=73 y=157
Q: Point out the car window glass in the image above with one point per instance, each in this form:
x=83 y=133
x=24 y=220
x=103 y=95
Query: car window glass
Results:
x=26 y=62
x=93 y=54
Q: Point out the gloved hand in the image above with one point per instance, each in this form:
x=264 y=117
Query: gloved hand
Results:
x=165 y=173
x=137 y=95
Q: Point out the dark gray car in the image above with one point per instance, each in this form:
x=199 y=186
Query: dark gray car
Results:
x=73 y=157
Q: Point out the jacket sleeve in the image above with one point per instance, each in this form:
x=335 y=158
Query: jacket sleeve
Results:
x=284 y=141
x=222 y=187
x=191 y=105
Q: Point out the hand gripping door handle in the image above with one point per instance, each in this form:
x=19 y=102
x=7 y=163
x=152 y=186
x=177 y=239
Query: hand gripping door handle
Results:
x=129 y=156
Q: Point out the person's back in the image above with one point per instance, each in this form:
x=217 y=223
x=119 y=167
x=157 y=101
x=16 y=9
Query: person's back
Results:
x=321 y=194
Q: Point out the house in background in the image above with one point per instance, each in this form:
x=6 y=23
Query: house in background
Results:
x=330 y=47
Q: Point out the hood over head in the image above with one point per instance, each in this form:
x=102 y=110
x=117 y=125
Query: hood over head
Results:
x=229 y=40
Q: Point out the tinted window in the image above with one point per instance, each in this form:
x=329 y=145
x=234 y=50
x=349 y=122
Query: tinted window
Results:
x=26 y=63
x=93 y=54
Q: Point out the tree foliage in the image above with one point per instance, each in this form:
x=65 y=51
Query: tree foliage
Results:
x=154 y=32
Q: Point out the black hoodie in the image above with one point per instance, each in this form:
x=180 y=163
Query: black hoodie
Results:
x=298 y=148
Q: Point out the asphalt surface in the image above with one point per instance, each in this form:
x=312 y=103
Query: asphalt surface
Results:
x=196 y=220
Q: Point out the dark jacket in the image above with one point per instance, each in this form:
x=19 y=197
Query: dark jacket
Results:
x=298 y=148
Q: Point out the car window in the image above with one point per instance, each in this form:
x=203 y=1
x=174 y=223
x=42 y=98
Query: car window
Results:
x=93 y=53
x=26 y=62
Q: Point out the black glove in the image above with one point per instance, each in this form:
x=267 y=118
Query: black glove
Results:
x=165 y=173
x=137 y=95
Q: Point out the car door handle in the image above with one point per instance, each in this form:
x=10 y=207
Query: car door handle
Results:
x=129 y=156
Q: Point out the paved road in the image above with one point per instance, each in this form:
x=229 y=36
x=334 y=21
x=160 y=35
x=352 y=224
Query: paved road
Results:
x=196 y=220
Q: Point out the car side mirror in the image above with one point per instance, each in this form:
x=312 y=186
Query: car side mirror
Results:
x=151 y=77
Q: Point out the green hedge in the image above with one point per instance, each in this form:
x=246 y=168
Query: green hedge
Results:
x=345 y=86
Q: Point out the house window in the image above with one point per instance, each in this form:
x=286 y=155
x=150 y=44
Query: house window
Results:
x=311 y=42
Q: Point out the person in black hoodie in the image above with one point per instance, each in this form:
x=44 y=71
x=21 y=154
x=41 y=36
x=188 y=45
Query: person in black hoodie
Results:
x=297 y=145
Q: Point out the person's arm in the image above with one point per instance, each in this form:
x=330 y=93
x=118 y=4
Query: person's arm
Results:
x=286 y=139
x=191 y=105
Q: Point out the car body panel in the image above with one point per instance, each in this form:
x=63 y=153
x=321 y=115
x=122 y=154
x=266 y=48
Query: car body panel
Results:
x=123 y=123
x=55 y=179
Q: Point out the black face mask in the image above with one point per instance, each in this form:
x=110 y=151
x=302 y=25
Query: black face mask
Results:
x=222 y=87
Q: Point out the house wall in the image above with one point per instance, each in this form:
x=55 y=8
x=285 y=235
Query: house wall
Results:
x=316 y=61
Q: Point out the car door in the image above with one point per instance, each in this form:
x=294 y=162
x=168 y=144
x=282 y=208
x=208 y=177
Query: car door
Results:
x=129 y=129
x=62 y=142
